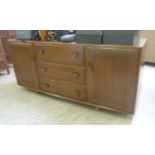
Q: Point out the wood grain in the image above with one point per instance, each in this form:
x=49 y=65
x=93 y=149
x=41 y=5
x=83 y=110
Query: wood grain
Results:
x=101 y=75
x=62 y=72
x=60 y=54
x=24 y=64
x=3 y=59
x=112 y=77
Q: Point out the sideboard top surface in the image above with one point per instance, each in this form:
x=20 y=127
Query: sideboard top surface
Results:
x=139 y=44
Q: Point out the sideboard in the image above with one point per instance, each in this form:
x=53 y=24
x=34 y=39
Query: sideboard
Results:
x=103 y=76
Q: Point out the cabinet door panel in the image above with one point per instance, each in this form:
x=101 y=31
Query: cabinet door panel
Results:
x=25 y=69
x=112 y=76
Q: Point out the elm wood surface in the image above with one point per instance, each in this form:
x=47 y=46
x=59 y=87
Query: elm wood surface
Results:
x=5 y=35
x=112 y=76
x=3 y=64
x=3 y=60
x=112 y=72
x=67 y=54
x=24 y=65
x=84 y=102
x=62 y=72
x=67 y=89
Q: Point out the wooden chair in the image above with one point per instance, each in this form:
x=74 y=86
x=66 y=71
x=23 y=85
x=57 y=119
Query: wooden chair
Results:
x=3 y=61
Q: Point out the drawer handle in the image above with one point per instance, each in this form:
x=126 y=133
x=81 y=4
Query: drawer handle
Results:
x=43 y=69
x=77 y=92
x=75 y=54
x=47 y=85
x=90 y=66
x=76 y=74
x=41 y=52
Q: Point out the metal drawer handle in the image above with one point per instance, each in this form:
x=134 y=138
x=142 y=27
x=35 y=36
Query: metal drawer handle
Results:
x=76 y=74
x=75 y=54
x=77 y=92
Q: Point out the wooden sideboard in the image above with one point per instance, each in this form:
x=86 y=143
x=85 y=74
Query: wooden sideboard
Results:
x=104 y=76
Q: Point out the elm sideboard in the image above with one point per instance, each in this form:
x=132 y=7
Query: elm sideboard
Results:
x=103 y=76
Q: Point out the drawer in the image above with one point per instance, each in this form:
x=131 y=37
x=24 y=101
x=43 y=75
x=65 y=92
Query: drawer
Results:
x=67 y=89
x=67 y=54
x=62 y=72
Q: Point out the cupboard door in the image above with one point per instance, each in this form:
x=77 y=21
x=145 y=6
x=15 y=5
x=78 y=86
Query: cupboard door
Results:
x=112 y=76
x=24 y=65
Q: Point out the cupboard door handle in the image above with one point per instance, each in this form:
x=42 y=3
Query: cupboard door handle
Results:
x=76 y=74
x=75 y=54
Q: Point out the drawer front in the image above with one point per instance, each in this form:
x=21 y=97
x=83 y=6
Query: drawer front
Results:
x=66 y=89
x=62 y=72
x=60 y=53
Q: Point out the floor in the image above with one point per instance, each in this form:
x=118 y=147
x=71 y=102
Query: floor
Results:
x=21 y=106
